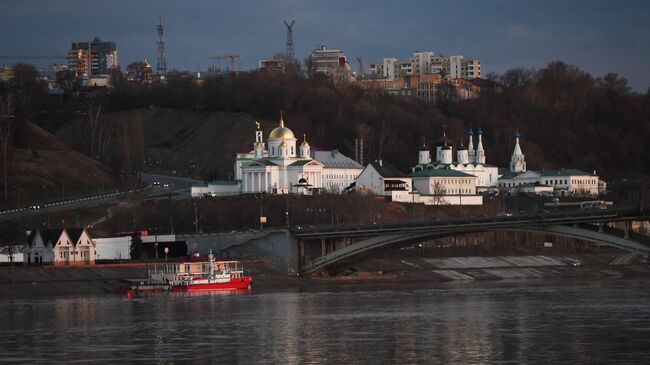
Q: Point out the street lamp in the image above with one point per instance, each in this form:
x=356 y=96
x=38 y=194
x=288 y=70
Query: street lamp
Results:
x=196 y=220
x=413 y=193
x=155 y=245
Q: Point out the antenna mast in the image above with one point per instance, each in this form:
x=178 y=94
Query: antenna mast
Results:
x=289 y=52
x=161 y=66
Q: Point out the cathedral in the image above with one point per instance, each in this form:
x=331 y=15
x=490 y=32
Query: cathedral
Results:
x=282 y=168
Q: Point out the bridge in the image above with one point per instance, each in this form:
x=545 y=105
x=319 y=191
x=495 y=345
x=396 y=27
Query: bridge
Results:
x=339 y=243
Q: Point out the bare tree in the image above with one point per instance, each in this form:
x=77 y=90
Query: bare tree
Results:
x=8 y=124
x=11 y=243
x=100 y=130
x=439 y=192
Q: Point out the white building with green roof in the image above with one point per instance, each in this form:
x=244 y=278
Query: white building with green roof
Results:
x=443 y=186
x=468 y=160
x=517 y=180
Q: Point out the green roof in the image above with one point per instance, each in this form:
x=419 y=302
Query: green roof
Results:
x=222 y=182
x=301 y=162
x=507 y=174
x=263 y=161
x=439 y=173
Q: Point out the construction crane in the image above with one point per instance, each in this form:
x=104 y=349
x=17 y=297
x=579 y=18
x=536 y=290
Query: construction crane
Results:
x=232 y=57
x=31 y=57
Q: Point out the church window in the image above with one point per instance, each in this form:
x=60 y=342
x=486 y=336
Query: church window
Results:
x=273 y=150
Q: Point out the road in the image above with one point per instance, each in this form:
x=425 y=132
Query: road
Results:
x=178 y=188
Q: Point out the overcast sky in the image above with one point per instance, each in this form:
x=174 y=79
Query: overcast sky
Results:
x=598 y=36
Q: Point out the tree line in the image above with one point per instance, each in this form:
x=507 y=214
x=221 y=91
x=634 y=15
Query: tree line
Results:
x=567 y=118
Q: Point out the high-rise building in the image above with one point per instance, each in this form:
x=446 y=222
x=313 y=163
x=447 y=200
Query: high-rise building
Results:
x=332 y=63
x=92 y=58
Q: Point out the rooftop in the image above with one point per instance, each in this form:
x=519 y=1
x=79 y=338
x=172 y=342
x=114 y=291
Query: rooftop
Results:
x=439 y=173
x=335 y=159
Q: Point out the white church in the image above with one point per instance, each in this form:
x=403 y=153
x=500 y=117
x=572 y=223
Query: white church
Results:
x=446 y=180
x=284 y=168
x=468 y=160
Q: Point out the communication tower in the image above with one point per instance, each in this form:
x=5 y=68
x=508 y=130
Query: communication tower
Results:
x=289 y=52
x=161 y=66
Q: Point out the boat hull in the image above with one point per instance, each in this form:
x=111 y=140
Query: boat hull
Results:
x=233 y=284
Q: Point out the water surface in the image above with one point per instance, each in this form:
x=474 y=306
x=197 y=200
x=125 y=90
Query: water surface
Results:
x=573 y=323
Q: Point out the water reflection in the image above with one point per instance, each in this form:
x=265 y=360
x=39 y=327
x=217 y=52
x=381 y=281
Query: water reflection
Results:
x=524 y=324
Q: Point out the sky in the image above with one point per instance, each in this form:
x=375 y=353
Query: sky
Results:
x=597 y=36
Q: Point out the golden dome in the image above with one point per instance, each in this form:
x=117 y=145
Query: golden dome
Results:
x=281 y=132
x=304 y=141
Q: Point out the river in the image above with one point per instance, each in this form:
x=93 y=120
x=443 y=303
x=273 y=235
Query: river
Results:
x=537 y=322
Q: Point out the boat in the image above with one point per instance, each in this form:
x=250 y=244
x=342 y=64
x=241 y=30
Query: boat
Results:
x=193 y=276
x=220 y=275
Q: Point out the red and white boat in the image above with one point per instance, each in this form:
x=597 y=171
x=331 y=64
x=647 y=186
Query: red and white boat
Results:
x=202 y=276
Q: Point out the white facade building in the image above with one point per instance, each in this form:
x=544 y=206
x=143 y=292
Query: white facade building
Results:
x=455 y=67
x=339 y=171
x=113 y=248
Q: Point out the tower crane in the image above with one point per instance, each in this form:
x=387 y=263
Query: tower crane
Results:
x=361 y=69
x=231 y=57
x=31 y=57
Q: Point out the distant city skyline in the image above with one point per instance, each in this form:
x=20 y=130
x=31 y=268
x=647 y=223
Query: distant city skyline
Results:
x=597 y=36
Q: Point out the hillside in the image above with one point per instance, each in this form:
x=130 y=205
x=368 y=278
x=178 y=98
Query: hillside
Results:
x=43 y=168
x=567 y=118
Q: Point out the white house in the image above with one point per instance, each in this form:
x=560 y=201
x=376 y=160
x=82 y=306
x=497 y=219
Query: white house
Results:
x=381 y=179
x=59 y=247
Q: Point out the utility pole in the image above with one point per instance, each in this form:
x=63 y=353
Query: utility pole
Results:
x=286 y=212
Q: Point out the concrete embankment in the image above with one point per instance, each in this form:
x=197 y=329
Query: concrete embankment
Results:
x=595 y=266
x=23 y=281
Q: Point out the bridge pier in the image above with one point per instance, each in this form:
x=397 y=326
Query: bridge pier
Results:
x=323 y=247
x=600 y=227
x=301 y=254
x=626 y=229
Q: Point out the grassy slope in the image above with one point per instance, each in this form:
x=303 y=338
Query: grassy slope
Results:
x=197 y=144
x=43 y=168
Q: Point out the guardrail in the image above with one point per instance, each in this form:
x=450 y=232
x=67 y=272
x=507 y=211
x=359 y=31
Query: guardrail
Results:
x=77 y=200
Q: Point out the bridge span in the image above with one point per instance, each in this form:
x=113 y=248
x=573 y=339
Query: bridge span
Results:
x=346 y=242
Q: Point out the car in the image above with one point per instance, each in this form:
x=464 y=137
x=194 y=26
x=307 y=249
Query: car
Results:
x=156 y=183
x=35 y=207
x=504 y=214
x=166 y=186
